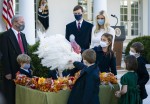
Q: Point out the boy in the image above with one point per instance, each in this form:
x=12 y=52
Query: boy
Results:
x=143 y=76
x=24 y=61
x=86 y=88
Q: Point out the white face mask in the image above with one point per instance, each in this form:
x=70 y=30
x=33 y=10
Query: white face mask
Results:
x=134 y=54
x=103 y=44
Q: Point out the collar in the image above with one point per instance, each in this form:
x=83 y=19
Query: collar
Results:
x=99 y=48
x=25 y=70
x=90 y=68
x=80 y=22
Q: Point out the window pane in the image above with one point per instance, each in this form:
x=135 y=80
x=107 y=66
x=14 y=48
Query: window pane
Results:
x=125 y=17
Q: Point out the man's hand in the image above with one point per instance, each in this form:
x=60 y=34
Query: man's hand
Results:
x=8 y=76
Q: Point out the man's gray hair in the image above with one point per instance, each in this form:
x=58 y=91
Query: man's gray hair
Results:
x=15 y=17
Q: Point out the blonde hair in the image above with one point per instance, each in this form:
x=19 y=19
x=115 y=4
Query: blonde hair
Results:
x=23 y=58
x=106 y=23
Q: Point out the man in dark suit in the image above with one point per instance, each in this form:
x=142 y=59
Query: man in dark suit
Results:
x=13 y=43
x=80 y=29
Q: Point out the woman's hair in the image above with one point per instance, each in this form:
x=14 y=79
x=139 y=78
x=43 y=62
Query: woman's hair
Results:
x=138 y=47
x=106 y=23
x=131 y=62
x=89 y=55
x=110 y=39
x=23 y=58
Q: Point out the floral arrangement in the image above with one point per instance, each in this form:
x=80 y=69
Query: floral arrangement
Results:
x=62 y=83
x=45 y=84
x=107 y=78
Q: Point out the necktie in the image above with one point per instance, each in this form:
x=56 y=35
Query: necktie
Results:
x=20 y=43
x=78 y=26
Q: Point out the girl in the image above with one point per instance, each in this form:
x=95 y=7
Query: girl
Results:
x=106 y=59
x=143 y=76
x=102 y=26
x=129 y=92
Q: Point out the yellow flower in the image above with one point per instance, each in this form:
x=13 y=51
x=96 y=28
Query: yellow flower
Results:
x=41 y=81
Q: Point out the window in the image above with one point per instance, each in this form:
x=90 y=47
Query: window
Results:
x=88 y=9
x=16 y=6
x=129 y=16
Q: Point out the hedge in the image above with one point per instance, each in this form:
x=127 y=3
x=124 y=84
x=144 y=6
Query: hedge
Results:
x=145 y=40
x=38 y=69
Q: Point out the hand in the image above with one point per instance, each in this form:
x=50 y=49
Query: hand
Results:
x=8 y=76
x=118 y=94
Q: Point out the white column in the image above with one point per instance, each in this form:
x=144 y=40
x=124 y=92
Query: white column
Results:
x=26 y=9
x=99 y=5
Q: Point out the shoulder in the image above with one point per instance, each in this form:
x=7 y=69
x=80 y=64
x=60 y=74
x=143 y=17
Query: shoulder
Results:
x=110 y=28
x=97 y=48
x=87 y=23
x=94 y=73
x=70 y=24
x=141 y=60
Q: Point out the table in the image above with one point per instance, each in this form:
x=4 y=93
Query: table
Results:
x=26 y=95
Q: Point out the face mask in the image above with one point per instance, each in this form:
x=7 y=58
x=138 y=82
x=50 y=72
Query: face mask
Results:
x=78 y=17
x=26 y=66
x=103 y=44
x=21 y=27
x=101 y=21
x=134 y=54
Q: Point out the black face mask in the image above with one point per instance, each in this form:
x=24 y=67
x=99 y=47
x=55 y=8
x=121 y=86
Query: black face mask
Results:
x=78 y=17
x=21 y=27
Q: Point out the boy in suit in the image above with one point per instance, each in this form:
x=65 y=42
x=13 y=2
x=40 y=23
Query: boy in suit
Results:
x=24 y=62
x=80 y=29
x=86 y=88
x=143 y=76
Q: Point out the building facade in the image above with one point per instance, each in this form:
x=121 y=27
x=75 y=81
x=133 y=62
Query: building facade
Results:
x=133 y=14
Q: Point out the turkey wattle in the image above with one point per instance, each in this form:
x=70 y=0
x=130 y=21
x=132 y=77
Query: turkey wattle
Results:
x=56 y=52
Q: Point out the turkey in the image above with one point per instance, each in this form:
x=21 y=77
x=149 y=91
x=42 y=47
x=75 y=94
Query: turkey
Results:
x=56 y=52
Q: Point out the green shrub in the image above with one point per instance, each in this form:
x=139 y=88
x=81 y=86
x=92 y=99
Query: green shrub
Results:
x=145 y=40
x=38 y=69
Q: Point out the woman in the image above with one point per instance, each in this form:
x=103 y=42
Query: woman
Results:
x=102 y=26
x=105 y=57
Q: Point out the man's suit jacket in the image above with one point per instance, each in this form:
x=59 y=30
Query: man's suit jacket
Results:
x=82 y=37
x=10 y=51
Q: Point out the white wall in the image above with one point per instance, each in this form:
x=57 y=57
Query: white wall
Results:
x=2 y=25
x=60 y=14
x=113 y=7
x=145 y=17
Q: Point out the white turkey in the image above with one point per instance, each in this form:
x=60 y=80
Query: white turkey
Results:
x=56 y=52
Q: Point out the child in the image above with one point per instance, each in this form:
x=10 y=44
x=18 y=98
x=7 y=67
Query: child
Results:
x=24 y=61
x=129 y=92
x=143 y=76
x=106 y=59
x=86 y=87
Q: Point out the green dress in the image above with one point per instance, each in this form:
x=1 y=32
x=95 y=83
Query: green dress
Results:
x=133 y=93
